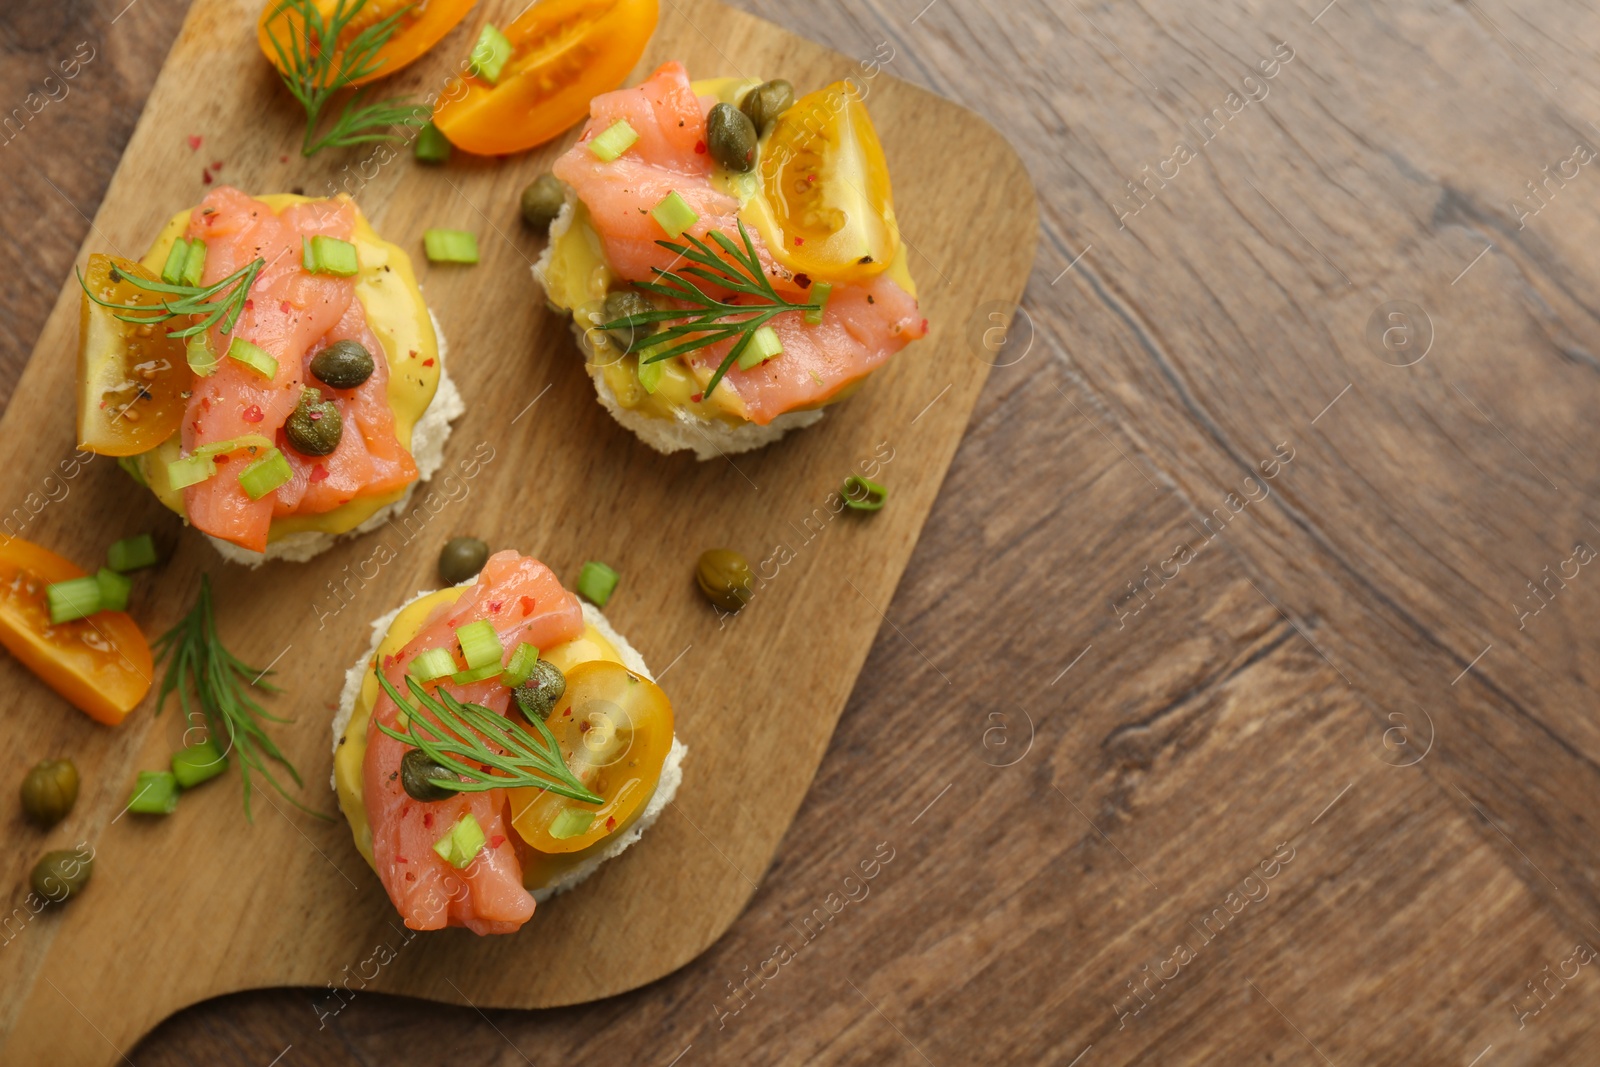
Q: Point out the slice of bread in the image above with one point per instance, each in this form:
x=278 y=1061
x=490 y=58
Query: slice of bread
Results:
x=671 y=770
x=427 y=448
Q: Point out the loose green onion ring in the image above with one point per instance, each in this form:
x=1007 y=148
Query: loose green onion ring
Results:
x=863 y=494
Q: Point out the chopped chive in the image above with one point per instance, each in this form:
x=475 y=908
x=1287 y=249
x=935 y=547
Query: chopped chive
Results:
x=191 y=470
x=76 y=598
x=114 y=589
x=819 y=295
x=202 y=357
x=450 y=246
x=764 y=344
x=194 y=265
x=177 y=258
x=480 y=645
x=432 y=146
x=200 y=762
x=596 y=581
x=490 y=55
x=476 y=674
x=674 y=214
x=617 y=139
x=863 y=494
x=130 y=467
x=461 y=844
x=321 y=254
x=650 y=373
x=254 y=357
x=155 y=793
x=572 y=822
x=265 y=475
x=132 y=553
x=432 y=663
x=521 y=665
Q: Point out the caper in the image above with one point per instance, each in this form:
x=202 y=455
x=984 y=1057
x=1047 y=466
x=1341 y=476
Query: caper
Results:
x=724 y=577
x=542 y=691
x=763 y=104
x=731 y=137
x=49 y=790
x=619 y=305
x=342 y=365
x=461 y=558
x=62 y=874
x=314 y=428
x=417 y=771
x=542 y=200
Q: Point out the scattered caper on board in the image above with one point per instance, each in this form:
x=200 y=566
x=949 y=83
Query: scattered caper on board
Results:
x=314 y=427
x=49 y=790
x=62 y=874
x=542 y=691
x=342 y=365
x=417 y=771
x=763 y=104
x=723 y=575
x=731 y=137
x=542 y=200
x=619 y=305
x=461 y=558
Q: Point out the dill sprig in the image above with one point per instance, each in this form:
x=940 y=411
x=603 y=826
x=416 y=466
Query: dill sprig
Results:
x=472 y=741
x=307 y=67
x=185 y=300
x=710 y=320
x=221 y=682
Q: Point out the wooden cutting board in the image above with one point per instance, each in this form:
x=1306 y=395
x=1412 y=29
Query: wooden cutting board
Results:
x=204 y=902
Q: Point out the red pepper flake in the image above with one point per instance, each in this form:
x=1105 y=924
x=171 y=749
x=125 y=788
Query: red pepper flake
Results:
x=196 y=425
x=699 y=148
x=495 y=606
x=319 y=473
x=411 y=876
x=496 y=841
x=427 y=818
x=696 y=398
x=798 y=241
x=412 y=354
x=205 y=176
x=249 y=304
x=803 y=280
x=611 y=822
x=528 y=604
x=283 y=159
x=583 y=727
x=388 y=661
x=427 y=362
x=194 y=143
x=216 y=166
x=252 y=414
x=401 y=859
x=924 y=325
x=285 y=307
x=811 y=178
x=567 y=712
x=222 y=459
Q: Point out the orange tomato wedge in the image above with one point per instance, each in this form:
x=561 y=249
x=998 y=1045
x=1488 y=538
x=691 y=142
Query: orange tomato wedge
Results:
x=614 y=729
x=829 y=212
x=421 y=27
x=100 y=664
x=132 y=379
x=564 y=53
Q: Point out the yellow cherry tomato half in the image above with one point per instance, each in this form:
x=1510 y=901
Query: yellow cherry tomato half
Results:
x=563 y=54
x=100 y=664
x=419 y=28
x=828 y=209
x=614 y=728
x=131 y=378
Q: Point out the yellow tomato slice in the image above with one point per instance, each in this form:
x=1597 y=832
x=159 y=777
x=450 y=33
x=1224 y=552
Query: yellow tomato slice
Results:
x=100 y=664
x=420 y=28
x=828 y=211
x=564 y=53
x=614 y=728
x=133 y=380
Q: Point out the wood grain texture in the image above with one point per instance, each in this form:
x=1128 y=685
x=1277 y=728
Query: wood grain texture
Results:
x=1184 y=743
x=536 y=464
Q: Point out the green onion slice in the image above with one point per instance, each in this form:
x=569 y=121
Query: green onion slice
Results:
x=480 y=645
x=521 y=666
x=461 y=844
x=764 y=344
x=432 y=146
x=191 y=470
x=255 y=357
x=617 y=139
x=863 y=494
x=321 y=254
x=596 y=581
x=450 y=246
x=177 y=258
x=200 y=762
x=76 y=598
x=155 y=793
x=819 y=296
x=674 y=214
x=194 y=264
x=431 y=664
x=202 y=357
x=490 y=55
x=572 y=822
x=476 y=674
x=114 y=589
x=132 y=553
x=265 y=475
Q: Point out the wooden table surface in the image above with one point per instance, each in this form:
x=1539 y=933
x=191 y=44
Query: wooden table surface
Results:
x=1237 y=706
